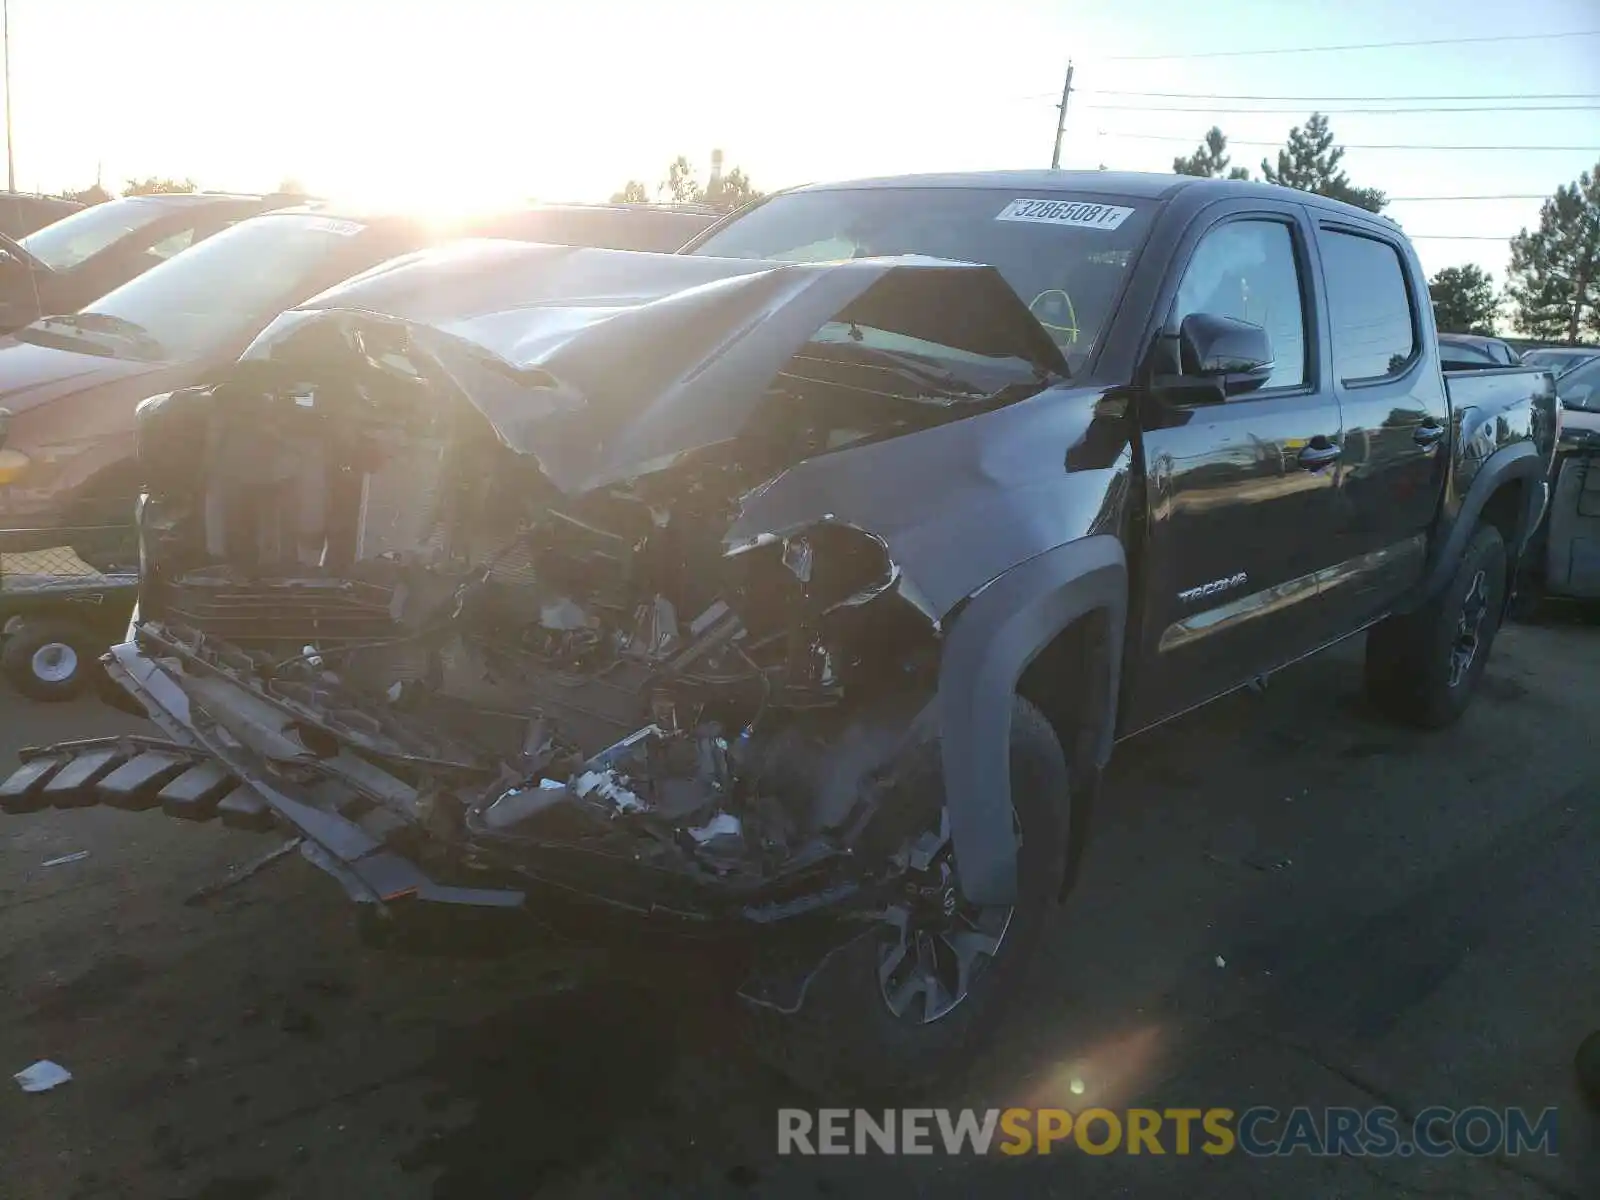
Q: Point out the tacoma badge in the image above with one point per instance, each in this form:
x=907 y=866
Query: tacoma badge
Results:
x=1212 y=588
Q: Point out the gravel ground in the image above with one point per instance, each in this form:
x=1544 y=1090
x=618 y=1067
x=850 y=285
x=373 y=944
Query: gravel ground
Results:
x=1287 y=902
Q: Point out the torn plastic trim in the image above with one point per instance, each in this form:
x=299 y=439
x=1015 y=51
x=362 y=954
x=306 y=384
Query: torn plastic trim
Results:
x=371 y=873
x=167 y=643
x=364 y=866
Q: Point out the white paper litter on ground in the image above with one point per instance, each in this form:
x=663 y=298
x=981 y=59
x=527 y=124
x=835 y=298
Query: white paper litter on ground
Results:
x=42 y=1076
x=719 y=826
x=75 y=856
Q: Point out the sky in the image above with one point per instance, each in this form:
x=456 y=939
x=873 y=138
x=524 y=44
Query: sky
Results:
x=474 y=103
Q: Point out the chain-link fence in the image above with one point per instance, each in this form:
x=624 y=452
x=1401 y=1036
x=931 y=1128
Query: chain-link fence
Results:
x=33 y=561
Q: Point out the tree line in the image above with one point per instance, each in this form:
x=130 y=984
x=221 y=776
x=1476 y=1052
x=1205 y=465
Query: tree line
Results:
x=151 y=185
x=1553 y=280
x=681 y=186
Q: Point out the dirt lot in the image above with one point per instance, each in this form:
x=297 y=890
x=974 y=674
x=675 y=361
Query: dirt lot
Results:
x=1287 y=902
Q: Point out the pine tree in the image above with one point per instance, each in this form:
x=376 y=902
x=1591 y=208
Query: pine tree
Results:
x=1554 y=282
x=1310 y=162
x=1210 y=160
x=1464 y=300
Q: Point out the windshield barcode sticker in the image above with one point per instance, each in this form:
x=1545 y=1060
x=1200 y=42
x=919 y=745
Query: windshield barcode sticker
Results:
x=1077 y=213
x=336 y=225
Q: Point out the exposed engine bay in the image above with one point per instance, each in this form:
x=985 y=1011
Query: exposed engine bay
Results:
x=461 y=648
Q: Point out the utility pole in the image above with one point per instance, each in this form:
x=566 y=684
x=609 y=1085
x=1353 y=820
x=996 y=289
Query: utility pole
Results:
x=5 y=33
x=1061 y=120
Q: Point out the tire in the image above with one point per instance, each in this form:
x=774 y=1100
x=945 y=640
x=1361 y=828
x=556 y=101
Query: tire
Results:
x=50 y=659
x=1422 y=668
x=845 y=1040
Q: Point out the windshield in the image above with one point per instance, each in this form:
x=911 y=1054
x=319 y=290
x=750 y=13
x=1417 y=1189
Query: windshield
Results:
x=223 y=290
x=1558 y=362
x=88 y=231
x=1067 y=256
x=1580 y=387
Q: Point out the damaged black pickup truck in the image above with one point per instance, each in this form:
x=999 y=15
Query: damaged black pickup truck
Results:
x=796 y=587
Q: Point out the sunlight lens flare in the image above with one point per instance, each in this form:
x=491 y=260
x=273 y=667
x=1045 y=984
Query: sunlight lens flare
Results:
x=441 y=209
x=1109 y=1074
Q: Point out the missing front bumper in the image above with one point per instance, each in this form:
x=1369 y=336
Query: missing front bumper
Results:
x=197 y=772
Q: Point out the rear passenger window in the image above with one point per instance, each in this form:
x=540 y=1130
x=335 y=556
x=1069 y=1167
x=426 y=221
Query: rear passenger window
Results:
x=1369 y=307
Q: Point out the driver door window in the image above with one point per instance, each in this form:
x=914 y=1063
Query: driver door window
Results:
x=1248 y=270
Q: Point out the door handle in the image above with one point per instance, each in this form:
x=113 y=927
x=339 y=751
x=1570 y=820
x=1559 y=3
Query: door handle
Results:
x=1314 y=457
x=1428 y=435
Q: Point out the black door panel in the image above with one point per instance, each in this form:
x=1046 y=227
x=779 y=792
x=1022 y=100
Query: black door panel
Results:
x=1240 y=495
x=1238 y=533
x=1396 y=416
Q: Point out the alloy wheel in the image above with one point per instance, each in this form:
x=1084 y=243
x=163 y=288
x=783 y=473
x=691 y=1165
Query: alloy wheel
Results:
x=1469 y=628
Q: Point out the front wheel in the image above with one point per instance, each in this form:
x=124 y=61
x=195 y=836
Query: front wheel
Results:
x=913 y=1000
x=1422 y=668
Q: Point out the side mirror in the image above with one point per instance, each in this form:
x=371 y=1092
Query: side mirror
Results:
x=1235 y=355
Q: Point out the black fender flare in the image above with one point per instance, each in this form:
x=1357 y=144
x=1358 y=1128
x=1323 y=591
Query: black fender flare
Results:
x=1521 y=461
x=1002 y=628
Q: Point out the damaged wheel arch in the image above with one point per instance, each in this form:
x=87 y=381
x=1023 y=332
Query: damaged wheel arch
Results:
x=989 y=646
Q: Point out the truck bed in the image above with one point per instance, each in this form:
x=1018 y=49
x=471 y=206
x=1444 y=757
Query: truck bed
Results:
x=1495 y=389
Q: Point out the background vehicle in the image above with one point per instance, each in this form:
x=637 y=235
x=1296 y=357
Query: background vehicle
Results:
x=69 y=384
x=1568 y=562
x=23 y=212
x=1559 y=360
x=785 y=591
x=658 y=227
x=88 y=253
x=1468 y=351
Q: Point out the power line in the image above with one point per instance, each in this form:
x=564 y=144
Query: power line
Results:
x=1457 y=237
x=1167 y=137
x=1460 y=41
x=1333 y=99
x=1501 y=196
x=1346 y=111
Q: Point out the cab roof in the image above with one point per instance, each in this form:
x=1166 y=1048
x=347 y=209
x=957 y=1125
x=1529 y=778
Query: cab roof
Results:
x=1138 y=185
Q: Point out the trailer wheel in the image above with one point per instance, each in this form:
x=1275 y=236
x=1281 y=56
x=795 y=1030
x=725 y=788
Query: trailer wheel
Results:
x=49 y=660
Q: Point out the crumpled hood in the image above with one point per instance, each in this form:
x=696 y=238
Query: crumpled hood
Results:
x=32 y=375
x=602 y=364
